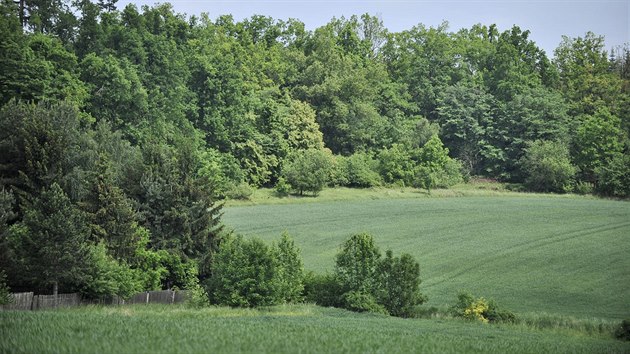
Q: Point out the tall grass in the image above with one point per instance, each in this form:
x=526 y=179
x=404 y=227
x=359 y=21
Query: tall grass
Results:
x=284 y=329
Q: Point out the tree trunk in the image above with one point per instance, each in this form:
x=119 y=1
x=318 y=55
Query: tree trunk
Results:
x=55 y=285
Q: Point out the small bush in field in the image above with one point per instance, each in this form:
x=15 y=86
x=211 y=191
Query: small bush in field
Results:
x=371 y=283
x=623 y=331
x=359 y=301
x=242 y=191
x=248 y=273
x=322 y=289
x=480 y=309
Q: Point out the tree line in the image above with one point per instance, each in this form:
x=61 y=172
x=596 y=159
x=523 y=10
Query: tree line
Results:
x=121 y=129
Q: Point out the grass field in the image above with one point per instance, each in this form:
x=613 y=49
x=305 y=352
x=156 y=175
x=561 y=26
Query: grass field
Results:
x=560 y=255
x=284 y=329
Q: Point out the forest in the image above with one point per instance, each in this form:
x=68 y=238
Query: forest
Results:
x=121 y=131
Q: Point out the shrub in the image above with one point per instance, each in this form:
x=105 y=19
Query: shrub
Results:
x=308 y=171
x=480 y=309
x=248 y=273
x=241 y=191
x=5 y=296
x=436 y=169
x=290 y=270
x=357 y=264
x=548 y=167
x=360 y=301
x=360 y=171
x=583 y=188
x=282 y=188
x=322 y=289
x=399 y=283
x=243 y=274
x=623 y=331
x=396 y=165
x=368 y=283
x=613 y=179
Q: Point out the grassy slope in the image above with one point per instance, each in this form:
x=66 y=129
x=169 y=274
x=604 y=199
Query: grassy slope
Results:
x=164 y=329
x=531 y=253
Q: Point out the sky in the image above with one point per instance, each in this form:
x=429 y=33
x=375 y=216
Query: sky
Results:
x=547 y=21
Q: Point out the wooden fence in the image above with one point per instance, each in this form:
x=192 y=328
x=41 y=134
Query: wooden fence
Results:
x=30 y=301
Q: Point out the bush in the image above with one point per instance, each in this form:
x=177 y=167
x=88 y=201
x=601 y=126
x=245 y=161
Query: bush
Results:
x=322 y=289
x=399 y=283
x=248 y=273
x=481 y=309
x=357 y=263
x=583 y=188
x=5 y=296
x=623 y=331
x=548 y=167
x=359 y=301
x=396 y=165
x=290 y=270
x=368 y=283
x=358 y=170
x=613 y=179
x=243 y=274
x=241 y=191
x=308 y=171
x=282 y=188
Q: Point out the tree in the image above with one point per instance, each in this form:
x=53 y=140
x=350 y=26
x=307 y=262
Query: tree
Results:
x=466 y=115
x=548 y=167
x=248 y=273
x=613 y=178
x=596 y=141
x=51 y=242
x=308 y=170
x=435 y=168
x=290 y=269
x=399 y=283
x=357 y=264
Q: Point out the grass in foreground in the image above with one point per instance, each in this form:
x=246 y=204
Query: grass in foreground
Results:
x=298 y=328
x=532 y=253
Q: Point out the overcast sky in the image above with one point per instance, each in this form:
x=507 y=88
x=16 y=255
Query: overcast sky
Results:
x=547 y=20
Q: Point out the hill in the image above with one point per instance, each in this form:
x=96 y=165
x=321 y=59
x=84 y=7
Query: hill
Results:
x=533 y=254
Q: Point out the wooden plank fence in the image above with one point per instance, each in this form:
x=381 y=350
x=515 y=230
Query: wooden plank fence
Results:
x=30 y=301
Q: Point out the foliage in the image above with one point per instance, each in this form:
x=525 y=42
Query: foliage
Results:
x=613 y=179
x=396 y=165
x=399 y=284
x=548 y=167
x=290 y=270
x=436 y=169
x=308 y=171
x=5 y=297
x=623 y=331
x=356 y=264
x=51 y=243
x=359 y=301
x=323 y=289
x=480 y=309
x=357 y=170
x=145 y=117
x=248 y=273
x=368 y=283
x=241 y=191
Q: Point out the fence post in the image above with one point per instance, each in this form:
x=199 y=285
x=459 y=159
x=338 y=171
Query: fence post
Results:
x=147 y=297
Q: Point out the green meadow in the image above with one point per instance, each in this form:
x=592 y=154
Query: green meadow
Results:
x=283 y=329
x=533 y=254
